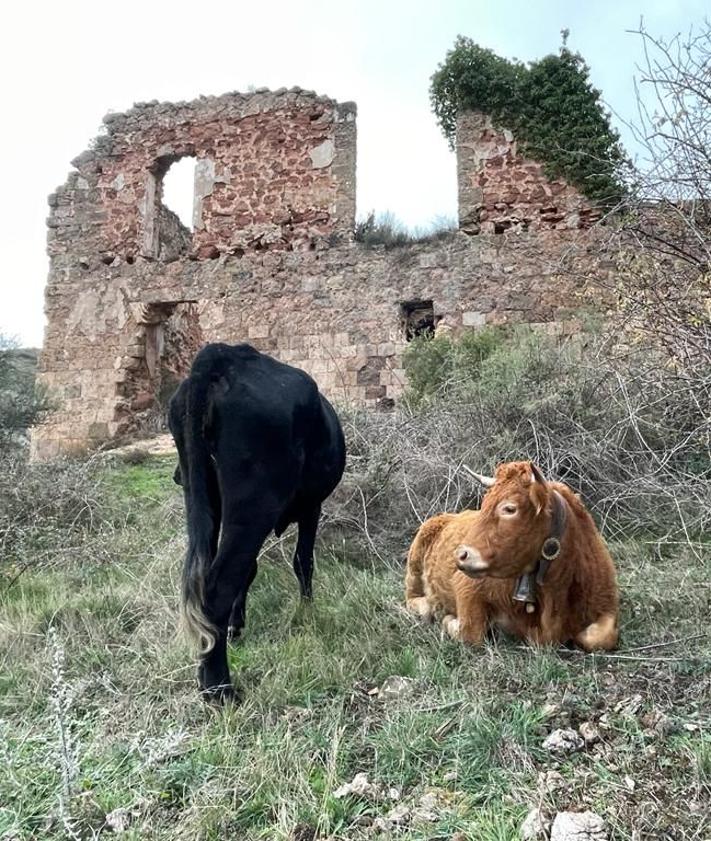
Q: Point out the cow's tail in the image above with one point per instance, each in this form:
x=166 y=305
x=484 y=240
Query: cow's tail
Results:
x=201 y=514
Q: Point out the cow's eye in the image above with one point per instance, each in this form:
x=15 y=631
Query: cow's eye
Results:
x=508 y=509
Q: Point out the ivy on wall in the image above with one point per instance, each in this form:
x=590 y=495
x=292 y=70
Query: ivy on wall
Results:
x=550 y=105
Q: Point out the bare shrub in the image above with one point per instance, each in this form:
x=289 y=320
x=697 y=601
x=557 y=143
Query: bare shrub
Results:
x=388 y=231
x=617 y=428
x=662 y=240
x=45 y=510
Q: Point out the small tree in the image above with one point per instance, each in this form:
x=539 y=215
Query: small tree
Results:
x=552 y=107
x=22 y=404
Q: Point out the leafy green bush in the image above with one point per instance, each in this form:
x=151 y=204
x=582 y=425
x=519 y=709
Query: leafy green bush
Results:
x=550 y=104
x=436 y=365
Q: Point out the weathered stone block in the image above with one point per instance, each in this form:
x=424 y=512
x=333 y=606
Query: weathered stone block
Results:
x=98 y=431
x=258 y=331
x=472 y=318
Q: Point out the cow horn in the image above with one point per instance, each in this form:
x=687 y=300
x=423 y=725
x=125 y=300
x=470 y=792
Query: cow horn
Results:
x=537 y=475
x=486 y=481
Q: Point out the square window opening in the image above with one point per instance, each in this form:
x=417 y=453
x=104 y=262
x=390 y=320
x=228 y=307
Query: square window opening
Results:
x=417 y=319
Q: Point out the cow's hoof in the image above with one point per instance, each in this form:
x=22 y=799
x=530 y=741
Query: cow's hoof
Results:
x=602 y=634
x=302 y=613
x=233 y=633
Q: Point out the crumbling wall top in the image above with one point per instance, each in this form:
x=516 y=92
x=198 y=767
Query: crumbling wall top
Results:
x=274 y=169
x=500 y=189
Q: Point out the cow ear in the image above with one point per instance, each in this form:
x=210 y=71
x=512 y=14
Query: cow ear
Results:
x=538 y=491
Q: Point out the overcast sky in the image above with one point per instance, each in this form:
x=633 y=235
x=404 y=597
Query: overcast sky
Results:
x=64 y=64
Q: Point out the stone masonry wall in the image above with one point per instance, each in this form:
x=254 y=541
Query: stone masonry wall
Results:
x=275 y=170
x=500 y=189
x=125 y=315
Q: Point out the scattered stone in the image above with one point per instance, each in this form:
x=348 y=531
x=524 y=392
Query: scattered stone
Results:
x=428 y=808
x=550 y=711
x=578 y=826
x=358 y=787
x=535 y=826
x=303 y=832
x=396 y=818
x=550 y=782
x=589 y=732
x=395 y=687
x=564 y=741
x=118 y=820
x=295 y=715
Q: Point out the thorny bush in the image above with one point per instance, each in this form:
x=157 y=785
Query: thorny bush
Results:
x=618 y=427
x=46 y=510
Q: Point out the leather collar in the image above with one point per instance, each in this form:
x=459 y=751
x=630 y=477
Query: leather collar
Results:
x=525 y=590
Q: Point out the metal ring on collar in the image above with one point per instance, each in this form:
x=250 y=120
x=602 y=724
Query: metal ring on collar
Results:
x=551 y=549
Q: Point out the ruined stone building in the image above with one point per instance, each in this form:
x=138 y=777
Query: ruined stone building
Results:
x=271 y=260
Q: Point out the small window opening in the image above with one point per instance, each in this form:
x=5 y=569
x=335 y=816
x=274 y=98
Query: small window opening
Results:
x=418 y=319
x=179 y=190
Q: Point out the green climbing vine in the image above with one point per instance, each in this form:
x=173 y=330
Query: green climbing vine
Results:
x=549 y=104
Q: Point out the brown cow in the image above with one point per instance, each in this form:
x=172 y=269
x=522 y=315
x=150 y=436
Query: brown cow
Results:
x=531 y=561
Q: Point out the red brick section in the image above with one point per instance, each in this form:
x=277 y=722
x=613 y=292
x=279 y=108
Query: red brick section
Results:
x=277 y=171
x=132 y=294
x=501 y=190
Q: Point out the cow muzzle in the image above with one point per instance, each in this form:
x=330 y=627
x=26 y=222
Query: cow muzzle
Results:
x=470 y=562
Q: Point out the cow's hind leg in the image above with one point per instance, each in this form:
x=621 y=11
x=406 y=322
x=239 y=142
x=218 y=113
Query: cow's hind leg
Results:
x=239 y=610
x=304 y=554
x=228 y=582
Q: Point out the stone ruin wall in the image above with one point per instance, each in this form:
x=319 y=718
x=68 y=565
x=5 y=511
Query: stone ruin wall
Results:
x=132 y=294
x=500 y=190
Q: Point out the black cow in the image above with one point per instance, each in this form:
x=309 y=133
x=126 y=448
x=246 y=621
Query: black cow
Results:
x=259 y=448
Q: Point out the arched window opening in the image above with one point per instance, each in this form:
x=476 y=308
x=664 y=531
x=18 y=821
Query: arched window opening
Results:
x=176 y=201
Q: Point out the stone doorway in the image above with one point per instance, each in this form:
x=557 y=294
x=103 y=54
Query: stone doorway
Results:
x=166 y=336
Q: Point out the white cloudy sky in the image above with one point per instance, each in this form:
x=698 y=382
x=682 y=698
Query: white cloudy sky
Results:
x=64 y=64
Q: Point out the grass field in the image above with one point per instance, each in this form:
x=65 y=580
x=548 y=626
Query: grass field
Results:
x=101 y=728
